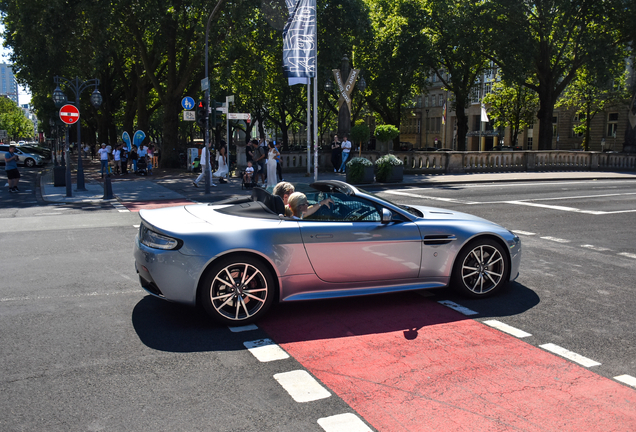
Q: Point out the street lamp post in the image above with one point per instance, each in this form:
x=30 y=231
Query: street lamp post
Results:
x=77 y=87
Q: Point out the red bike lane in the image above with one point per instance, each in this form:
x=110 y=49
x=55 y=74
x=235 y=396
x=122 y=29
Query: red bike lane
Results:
x=406 y=363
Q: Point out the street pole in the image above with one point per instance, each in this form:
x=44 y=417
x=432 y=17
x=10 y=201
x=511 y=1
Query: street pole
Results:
x=206 y=129
x=69 y=191
x=77 y=87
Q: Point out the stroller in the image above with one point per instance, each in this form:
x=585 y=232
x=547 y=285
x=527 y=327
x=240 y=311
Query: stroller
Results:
x=142 y=166
x=248 y=184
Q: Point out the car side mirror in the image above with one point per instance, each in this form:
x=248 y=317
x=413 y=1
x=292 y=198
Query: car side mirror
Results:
x=387 y=216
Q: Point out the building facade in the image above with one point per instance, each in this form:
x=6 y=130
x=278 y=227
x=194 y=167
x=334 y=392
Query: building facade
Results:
x=8 y=83
x=431 y=123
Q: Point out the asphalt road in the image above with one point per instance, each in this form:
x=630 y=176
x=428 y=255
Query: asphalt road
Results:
x=84 y=348
x=576 y=284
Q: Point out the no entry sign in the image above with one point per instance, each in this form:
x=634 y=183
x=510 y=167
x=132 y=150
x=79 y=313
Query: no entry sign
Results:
x=69 y=114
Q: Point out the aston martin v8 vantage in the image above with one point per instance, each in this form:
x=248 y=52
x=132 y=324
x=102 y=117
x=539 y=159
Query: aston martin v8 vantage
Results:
x=236 y=257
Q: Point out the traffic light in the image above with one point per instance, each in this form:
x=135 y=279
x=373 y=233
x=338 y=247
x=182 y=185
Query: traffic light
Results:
x=201 y=113
x=215 y=118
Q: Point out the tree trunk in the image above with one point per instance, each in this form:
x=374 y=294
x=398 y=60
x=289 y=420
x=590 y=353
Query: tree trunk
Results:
x=170 y=145
x=545 y=114
x=462 y=123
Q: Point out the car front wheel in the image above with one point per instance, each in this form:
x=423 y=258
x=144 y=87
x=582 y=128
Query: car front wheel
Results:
x=29 y=163
x=481 y=268
x=237 y=290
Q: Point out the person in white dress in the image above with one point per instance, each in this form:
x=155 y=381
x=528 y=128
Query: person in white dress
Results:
x=223 y=168
x=272 y=157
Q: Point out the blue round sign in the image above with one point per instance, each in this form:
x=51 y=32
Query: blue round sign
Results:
x=187 y=103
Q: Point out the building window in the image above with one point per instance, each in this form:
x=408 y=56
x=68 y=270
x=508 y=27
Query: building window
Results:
x=612 y=124
x=576 y=121
x=419 y=102
x=529 y=142
x=555 y=124
x=426 y=101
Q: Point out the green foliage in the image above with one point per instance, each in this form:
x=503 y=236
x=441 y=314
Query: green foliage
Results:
x=13 y=120
x=393 y=55
x=589 y=95
x=360 y=133
x=456 y=30
x=512 y=106
x=384 y=133
x=543 y=45
x=356 y=169
x=385 y=166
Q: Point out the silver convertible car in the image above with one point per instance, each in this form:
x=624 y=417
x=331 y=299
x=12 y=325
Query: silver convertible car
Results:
x=236 y=257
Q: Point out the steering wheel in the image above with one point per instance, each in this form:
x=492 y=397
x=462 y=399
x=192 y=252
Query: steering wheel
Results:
x=358 y=214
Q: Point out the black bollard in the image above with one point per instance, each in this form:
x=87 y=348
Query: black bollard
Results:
x=108 y=188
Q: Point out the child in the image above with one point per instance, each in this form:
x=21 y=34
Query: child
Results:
x=249 y=172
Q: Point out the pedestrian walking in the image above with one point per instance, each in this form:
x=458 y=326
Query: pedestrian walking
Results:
x=11 y=168
x=223 y=168
x=133 y=157
x=260 y=156
x=346 y=149
x=124 y=158
x=203 y=160
x=272 y=155
x=103 y=158
x=117 y=159
x=335 y=153
x=279 y=163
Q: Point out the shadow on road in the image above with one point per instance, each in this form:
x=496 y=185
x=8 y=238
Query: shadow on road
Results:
x=171 y=327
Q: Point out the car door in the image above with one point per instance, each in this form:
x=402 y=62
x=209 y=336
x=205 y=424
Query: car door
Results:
x=342 y=246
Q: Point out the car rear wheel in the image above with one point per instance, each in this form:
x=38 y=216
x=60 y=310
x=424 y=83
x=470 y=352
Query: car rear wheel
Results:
x=481 y=268
x=237 y=290
x=29 y=162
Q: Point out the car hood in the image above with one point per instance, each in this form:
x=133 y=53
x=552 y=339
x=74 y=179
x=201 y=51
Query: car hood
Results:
x=434 y=213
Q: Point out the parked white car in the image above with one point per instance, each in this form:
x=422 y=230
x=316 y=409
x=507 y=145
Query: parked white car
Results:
x=27 y=159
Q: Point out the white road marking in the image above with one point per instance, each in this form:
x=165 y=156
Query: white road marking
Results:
x=626 y=379
x=239 y=329
x=265 y=350
x=523 y=232
x=627 y=254
x=555 y=239
x=343 y=423
x=412 y=195
x=93 y=294
x=301 y=386
x=120 y=207
x=596 y=248
x=507 y=328
x=577 y=358
x=135 y=226
x=551 y=207
x=458 y=308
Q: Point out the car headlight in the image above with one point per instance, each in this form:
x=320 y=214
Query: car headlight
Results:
x=155 y=240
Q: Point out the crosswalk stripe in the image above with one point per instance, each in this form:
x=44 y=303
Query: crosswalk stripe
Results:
x=265 y=350
x=301 y=386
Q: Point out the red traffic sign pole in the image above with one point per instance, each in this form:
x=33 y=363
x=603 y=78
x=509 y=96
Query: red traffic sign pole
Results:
x=69 y=114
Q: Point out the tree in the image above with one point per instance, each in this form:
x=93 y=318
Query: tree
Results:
x=512 y=106
x=392 y=55
x=455 y=29
x=13 y=120
x=543 y=44
x=360 y=134
x=589 y=95
x=385 y=133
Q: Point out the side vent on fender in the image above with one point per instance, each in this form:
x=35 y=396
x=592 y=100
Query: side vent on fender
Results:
x=438 y=239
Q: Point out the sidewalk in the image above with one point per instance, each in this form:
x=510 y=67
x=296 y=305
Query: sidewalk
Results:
x=176 y=184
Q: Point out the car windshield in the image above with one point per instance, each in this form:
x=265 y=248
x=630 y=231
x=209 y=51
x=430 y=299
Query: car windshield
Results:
x=411 y=210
